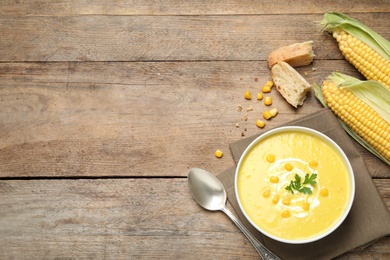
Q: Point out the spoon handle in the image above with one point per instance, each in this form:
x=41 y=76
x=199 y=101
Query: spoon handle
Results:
x=260 y=248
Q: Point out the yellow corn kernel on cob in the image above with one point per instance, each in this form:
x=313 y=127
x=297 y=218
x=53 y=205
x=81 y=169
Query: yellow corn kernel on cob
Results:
x=360 y=117
x=366 y=50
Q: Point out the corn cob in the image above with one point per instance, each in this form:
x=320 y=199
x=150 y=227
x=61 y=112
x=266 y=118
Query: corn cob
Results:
x=367 y=121
x=366 y=50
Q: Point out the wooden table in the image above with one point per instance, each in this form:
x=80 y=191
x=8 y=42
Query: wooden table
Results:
x=106 y=105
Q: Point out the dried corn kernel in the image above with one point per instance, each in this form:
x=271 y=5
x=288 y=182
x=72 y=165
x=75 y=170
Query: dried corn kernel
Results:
x=259 y=96
x=270 y=157
x=274 y=179
x=268 y=101
x=218 y=153
x=324 y=192
x=288 y=167
x=276 y=198
x=248 y=95
x=260 y=123
x=266 y=193
x=266 y=89
x=285 y=214
x=286 y=201
x=313 y=163
x=306 y=206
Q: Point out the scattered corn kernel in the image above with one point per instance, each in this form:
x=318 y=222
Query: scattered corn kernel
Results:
x=285 y=214
x=259 y=96
x=267 y=115
x=270 y=158
x=313 y=163
x=273 y=112
x=269 y=83
x=266 y=193
x=276 y=198
x=306 y=206
x=274 y=179
x=324 y=192
x=270 y=113
x=268 y=101
x=218 y=153
x=288 y=167
x=248 y=95
x=266 y=89
x=286 y=201
x=260 y=123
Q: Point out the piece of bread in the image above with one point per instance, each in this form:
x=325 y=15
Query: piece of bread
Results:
x=291 y=85
x=297 y=54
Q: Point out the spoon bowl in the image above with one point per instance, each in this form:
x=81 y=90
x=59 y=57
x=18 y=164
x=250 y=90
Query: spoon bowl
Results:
x=207 y=189
x=210 y=193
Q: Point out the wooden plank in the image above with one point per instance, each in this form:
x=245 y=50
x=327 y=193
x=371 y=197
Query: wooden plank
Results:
x=175 y=7
x=135 y=119
x=111 y=219
x=165 y=38
x=122 y=219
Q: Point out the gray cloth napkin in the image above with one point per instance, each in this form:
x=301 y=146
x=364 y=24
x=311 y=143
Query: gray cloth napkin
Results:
x=368 y=220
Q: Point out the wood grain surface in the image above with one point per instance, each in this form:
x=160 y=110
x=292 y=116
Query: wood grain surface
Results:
x=108 y=219
x=106 y=105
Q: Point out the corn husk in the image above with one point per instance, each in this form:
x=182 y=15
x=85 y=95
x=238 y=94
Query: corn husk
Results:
x=371 y=92
x=334 y=20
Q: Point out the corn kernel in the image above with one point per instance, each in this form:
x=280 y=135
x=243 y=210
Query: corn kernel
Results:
x=266 y=89
x=266 y=193
x=286 y=201
x=274 y=179
x=267 y=115
x=324 y=192
x=273 y=112
x=260 y=123
x=268 y=101
x=259 y=96
x=248 y=95
x=218 y=153
x=285 y=214
x=288 y=167
x=270 y=158
x=276 y=198
x=313 y=163
x=269 y=83
x=306 y=206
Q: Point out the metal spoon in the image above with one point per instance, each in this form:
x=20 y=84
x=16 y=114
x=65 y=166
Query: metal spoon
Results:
x=210 y=193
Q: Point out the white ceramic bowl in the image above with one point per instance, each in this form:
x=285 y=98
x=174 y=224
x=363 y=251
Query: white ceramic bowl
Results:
x=325 y=139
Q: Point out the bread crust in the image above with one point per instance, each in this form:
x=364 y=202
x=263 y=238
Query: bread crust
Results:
x=297 y=54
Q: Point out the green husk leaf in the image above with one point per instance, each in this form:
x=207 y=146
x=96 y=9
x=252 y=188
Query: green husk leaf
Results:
x=319 y=95
x=371 y=92
x=336 y=20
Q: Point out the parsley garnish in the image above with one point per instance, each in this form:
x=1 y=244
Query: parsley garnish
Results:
x=298 y=186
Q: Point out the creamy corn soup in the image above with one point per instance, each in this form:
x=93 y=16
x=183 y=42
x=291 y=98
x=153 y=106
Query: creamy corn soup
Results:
x=278 y=162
